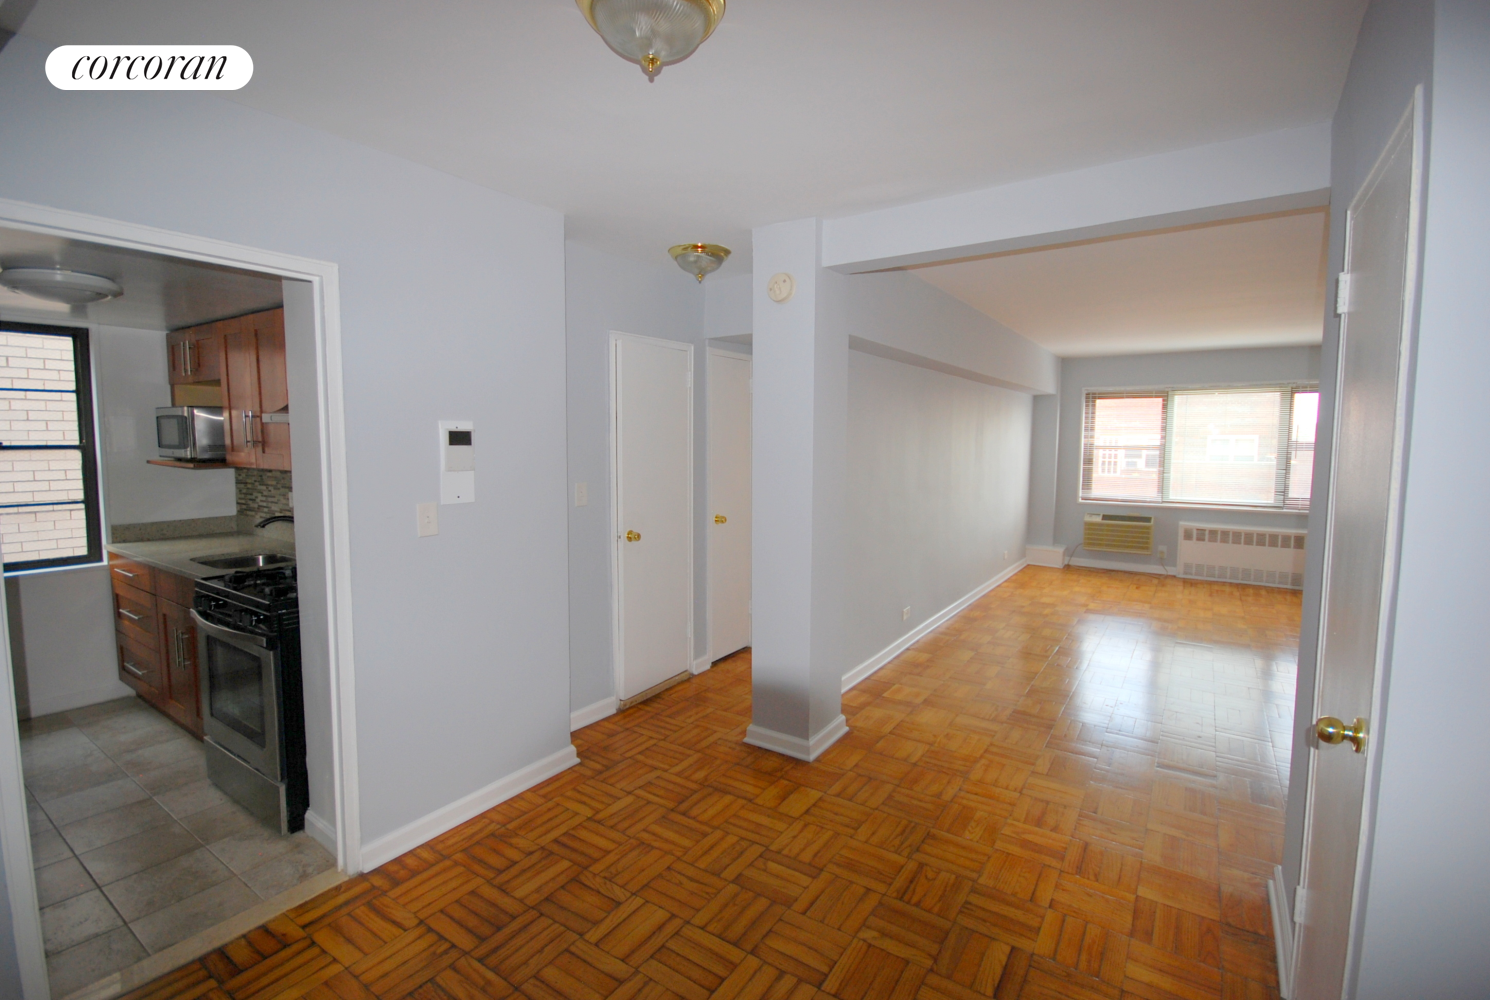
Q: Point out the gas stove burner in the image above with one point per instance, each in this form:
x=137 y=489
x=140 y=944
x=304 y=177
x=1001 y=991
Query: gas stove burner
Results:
x=272 y=589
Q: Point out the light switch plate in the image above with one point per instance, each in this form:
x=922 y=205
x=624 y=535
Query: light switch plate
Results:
x=428 y=516
x=581 y=494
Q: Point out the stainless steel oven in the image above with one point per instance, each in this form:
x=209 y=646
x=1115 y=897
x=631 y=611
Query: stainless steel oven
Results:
x=240 y=692
x=253 y=712
x=190 y=433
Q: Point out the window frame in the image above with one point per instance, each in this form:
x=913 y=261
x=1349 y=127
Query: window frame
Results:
x=1288 y=446
x=87 y=448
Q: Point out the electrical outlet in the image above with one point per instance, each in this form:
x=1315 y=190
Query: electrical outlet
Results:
x=1006 y=555
x=581 y=494
x=428 y=516
x=1163 y=552
x=905 y=614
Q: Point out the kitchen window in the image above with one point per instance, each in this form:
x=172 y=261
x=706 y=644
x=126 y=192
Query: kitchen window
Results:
x=1243 y=447
x=49 y=509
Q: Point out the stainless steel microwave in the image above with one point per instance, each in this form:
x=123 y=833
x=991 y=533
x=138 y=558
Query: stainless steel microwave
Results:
x=190 y=433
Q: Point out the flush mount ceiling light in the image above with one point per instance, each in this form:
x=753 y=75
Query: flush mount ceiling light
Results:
x=699 y=259
x=57 y=284
x=653 y=33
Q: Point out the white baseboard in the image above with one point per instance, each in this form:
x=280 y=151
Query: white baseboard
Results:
x=1282 y=931
x=1053 y=556
x=1125 y=567
x=602 y=709
x=795 y=746
x=66 y=701
x=701 y=664
x=321 y=832
x=900 y=645
x=410 y=836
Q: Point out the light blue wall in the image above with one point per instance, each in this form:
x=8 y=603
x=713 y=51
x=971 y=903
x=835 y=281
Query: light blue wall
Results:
x=452 y=307
x=1268 y=364
x=602 y=294
x=1427 y=908
x=938 y=482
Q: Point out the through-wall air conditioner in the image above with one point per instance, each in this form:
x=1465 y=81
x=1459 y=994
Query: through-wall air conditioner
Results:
x=1118 y=533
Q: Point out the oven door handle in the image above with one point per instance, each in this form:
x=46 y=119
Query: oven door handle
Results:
x=228 y=634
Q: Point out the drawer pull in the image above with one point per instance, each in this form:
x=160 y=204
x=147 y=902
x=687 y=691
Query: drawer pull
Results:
x=124 y=572
x=134 y=670
x=131 y=615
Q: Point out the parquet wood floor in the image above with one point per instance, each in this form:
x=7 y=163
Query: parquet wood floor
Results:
x=1072 y=790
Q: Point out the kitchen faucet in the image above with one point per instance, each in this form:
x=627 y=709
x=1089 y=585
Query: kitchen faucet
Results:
x=276 y=517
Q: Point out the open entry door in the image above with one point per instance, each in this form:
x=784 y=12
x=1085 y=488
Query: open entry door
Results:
x=1377 y=304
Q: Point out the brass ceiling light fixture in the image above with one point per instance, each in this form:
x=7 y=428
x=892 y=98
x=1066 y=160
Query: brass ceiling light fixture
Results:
x=653 y=33
x=699 y=259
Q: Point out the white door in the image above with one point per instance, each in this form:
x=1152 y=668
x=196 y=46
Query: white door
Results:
x=652 y=393
x=728 y=518
x=1360 y=554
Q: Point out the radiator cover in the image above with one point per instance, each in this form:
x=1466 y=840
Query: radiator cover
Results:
x=1242 y=555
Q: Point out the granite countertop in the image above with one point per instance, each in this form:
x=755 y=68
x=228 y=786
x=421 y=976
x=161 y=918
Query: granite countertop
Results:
x=175 y=555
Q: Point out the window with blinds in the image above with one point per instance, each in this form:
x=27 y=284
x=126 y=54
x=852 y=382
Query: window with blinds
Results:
x=1249 y=446
x=49 y=512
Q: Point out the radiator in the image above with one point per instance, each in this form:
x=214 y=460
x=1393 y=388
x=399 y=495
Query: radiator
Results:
x=1242 y=555
x=1118 y=533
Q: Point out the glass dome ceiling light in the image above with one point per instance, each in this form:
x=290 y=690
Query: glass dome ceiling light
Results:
x=699 y=259
x=653 y=33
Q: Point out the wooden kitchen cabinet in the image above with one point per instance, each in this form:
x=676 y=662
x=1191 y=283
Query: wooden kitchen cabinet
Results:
x=194 y=354
x=255 y=387
x=179 y=695
x=156 y=639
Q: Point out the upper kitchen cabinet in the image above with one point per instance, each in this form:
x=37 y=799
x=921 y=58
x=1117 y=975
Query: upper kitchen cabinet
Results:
x=195 y=353
x=256 y=395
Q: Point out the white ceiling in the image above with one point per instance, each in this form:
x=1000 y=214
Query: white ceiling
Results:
x=160 y=293
x=792 y=109
x=1251 y=283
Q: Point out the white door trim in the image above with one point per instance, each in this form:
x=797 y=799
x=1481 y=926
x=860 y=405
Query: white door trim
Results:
x=618 y=645
x=708 y=497
x=15 y=841
x=1412 y=119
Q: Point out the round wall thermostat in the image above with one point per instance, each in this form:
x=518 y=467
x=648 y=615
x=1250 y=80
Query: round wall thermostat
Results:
x=780 y=287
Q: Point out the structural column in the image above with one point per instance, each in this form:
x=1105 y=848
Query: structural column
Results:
x=799 y=418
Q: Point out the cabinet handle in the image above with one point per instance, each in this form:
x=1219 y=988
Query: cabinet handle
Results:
x=131 y=615
x=134 y=670
x=124 y=572
x=186 y=351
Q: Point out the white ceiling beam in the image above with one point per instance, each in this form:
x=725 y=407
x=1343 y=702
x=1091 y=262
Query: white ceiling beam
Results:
x=1273 y=172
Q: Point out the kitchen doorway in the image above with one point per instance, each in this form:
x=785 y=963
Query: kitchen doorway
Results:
x=310 y=295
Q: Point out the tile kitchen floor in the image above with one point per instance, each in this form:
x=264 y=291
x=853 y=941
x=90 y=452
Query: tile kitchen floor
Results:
x=134 y=848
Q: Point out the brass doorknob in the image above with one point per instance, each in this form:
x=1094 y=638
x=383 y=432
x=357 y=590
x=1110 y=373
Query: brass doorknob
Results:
x=633 y=536
x=1331 y=730
x=720 y=519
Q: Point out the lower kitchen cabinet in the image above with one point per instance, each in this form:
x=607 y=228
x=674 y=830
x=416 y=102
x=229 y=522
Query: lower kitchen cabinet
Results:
x=157 y=639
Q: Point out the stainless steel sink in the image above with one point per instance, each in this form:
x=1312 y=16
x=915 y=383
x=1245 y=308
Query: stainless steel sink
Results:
x=253 y=560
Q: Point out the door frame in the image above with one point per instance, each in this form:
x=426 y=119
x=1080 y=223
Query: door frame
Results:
x=1412 y=122
x=323 y=280
x=709 y=356
x=618 y=637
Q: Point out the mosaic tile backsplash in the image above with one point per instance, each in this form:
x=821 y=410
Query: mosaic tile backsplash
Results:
x=263 y=493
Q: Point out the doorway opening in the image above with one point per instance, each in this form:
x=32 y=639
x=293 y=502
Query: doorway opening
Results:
x=133 y=837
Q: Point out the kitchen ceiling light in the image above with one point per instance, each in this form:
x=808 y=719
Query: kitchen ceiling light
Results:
x=653 y=33
x=57 y=284
x=699 y=259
